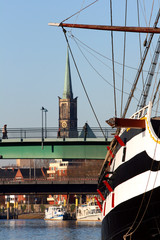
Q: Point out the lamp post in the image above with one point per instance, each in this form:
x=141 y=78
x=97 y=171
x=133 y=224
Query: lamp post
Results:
x=42 y=109
x=45 y=111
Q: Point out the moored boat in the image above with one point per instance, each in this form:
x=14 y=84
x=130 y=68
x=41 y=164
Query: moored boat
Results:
x=54 y=213
x=89 y=212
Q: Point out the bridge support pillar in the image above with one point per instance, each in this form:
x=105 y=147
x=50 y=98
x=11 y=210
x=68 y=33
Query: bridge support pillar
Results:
x=8 y=209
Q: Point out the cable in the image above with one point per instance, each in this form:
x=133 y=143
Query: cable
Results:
x=64 y=31
x=140 y=49
x=121 y=64
x=106 y=66
x=79 y=11
x=124 y=54
x=98 y=72
x=113 y=61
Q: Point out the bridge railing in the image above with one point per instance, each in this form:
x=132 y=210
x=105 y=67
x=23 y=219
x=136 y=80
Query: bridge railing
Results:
x=23 y=133
x=49 y=180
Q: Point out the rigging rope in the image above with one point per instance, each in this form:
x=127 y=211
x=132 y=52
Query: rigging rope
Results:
x=79 y=11
x=113 y=61
x=154 y=86
x=157 y=103
x=155 y=95
x=124 y=54
x=97 y=71
x=140 y=49
x=121 y=64
x=64 y=31
x=77 y=15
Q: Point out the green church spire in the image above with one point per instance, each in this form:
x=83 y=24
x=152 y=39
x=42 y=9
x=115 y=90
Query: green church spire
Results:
x=67 y=93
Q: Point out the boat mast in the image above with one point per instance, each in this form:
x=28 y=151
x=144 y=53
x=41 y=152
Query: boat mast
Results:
x=141 y=65
x=144 y=94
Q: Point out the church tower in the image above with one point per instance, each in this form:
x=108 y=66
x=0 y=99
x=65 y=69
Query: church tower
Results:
x=68 y=106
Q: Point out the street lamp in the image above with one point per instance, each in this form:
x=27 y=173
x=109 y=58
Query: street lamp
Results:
x=44 y=110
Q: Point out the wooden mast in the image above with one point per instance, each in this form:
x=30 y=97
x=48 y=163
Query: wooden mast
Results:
x=108 y=28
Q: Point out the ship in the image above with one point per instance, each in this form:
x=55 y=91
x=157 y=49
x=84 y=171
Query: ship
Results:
x=129 y=181
x=54 y=213
x=89 y=212
x=132 y=180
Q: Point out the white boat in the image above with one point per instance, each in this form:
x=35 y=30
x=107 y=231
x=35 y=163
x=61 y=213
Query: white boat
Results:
x=89 y=212
x=54 y=213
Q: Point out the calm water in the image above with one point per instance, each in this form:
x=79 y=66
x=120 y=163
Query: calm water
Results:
x=40 y=229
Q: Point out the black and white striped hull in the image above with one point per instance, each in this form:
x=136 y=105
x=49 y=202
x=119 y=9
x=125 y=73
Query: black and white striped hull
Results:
x=135 y=199
x=117 y=223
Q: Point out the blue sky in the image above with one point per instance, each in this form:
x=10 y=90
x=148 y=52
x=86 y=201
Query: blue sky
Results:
x=33 y=57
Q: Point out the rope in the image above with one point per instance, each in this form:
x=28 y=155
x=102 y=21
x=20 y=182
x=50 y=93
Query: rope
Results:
x=64 y=31
x=121 y=64
x=79 y=11
x=113 y=61
x=140 y=49
x=97 y=71
x=155 y=91
x=78 y=15
x=124 y=54
x=157 y=103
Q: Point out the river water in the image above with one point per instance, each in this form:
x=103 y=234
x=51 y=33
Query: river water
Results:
x=49 y=230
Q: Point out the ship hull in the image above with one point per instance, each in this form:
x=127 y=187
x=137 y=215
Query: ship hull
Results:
x=117 y=223
x=131 y=209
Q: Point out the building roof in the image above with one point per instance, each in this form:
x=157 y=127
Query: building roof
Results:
x=89 y=132
x=26 y=172
x=8 y=173
x=67 y=92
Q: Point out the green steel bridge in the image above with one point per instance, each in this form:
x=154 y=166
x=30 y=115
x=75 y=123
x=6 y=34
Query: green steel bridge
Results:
x=38 y=143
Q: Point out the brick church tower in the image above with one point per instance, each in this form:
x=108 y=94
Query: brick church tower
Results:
x=68 y=106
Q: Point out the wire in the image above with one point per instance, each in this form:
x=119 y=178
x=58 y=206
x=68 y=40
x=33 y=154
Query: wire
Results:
x=79 y=11
x=98 y=72
x=114 y=84
x=126 y=66
x=64 y=31
x=124 y=54
x=140 y=49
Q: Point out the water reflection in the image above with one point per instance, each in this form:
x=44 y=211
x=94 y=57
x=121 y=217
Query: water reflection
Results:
x=57 y=230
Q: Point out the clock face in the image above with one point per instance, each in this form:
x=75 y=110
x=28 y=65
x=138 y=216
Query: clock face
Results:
x=64 y=124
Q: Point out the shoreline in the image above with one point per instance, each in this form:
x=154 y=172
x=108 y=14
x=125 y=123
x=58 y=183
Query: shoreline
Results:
x=31 y=216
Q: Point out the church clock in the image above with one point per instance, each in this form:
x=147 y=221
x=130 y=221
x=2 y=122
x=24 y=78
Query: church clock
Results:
x=64 y=124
